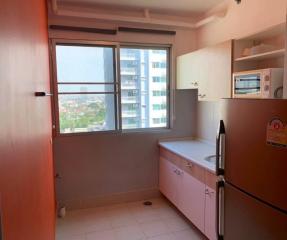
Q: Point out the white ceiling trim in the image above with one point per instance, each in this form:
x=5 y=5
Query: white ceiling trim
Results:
x=147 y=19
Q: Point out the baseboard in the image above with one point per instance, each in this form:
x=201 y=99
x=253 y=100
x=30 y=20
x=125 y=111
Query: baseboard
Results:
x=118 y=198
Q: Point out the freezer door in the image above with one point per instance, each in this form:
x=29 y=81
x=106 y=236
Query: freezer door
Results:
x=250 y=163
x=250 y=219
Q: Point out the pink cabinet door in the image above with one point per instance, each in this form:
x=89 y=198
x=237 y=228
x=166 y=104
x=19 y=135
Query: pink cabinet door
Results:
x=210 y=213
x=193 y=200
x=169 y=180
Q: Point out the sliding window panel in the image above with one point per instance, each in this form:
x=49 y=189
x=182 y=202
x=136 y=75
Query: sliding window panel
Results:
x=144 y=76
x=86 y=88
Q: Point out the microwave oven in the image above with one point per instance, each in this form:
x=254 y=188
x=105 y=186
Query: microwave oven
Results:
x=264 y=83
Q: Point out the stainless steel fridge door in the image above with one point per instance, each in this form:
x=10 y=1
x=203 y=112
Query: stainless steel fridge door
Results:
x=246 y=218
x=250 y=163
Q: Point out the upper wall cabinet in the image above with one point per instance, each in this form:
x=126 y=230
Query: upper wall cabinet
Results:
x=209 y=70
x=188 y=70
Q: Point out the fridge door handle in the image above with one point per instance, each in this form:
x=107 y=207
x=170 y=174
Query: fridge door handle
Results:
x=220 y=209
x=220 y=149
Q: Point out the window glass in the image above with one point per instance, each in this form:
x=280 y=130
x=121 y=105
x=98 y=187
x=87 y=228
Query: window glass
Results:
x=144 y=85
x=86 y=88
x=86 y=113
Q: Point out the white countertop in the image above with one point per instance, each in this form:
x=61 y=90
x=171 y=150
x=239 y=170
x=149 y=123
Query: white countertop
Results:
x=193 y=150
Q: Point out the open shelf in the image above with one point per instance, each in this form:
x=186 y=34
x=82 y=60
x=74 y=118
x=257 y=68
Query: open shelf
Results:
x=263 y=56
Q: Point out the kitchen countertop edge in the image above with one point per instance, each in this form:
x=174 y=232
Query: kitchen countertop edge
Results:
x=189 y=158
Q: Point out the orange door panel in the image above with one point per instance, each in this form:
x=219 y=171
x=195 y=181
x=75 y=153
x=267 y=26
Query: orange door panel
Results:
x=26 y=167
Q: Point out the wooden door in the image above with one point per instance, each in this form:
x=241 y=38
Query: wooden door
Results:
x=193 y=194
x=210 y=213
x=26 y=167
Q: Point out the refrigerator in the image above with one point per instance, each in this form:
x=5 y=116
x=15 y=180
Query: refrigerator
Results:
x=251 y=160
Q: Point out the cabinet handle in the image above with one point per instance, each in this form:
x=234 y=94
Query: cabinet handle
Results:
x=189 y=165
x=207 y=192
x=202 y=95
x=178 y=172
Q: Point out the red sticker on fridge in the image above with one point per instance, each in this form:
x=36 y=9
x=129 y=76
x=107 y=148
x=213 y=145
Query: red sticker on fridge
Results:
x=277 y=133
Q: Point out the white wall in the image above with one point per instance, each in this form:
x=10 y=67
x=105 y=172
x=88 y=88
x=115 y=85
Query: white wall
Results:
x=98 y=168
x=251 y=16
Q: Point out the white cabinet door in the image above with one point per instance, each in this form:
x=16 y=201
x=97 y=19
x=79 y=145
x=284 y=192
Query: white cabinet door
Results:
x=210 y=213
x=220 y=71
x=170 y=181
x=193 y=194
x=209 y=70
x=187 y=71
x=190 y=195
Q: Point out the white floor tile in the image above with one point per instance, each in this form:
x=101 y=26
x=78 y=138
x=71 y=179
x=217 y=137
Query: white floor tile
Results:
x=130 y=221
x=72 y=238
x=129 y=233
x=190 y=234
x=163 y=237
x=152 y=229
x=147 y=214
x=103 y=235
x=122 y=221
x=177 y=224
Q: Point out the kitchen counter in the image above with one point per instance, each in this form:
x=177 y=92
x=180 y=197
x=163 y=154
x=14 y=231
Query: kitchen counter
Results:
x=194 y=150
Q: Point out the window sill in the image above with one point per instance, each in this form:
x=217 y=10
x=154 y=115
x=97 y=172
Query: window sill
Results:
x=117 y=132
x=147 y=130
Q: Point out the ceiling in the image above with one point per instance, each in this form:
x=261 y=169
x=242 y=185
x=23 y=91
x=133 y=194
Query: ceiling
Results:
x=192 y=6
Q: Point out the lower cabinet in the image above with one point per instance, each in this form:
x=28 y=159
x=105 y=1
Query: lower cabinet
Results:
x=170 y=181
x=193 y=195
x=187 y=190
x=210 y=213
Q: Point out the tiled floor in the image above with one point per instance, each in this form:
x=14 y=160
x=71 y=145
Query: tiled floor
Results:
x=131 y=221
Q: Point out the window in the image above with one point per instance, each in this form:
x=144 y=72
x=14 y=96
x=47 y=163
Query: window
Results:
x=159 y=79
x=89 y=97
x=143 y=85
x=86 y=88
x=159 y=106
x=159 y=93
x=159 y=64
x=157 y=121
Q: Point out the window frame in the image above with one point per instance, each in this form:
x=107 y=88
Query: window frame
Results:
x=117 y=84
